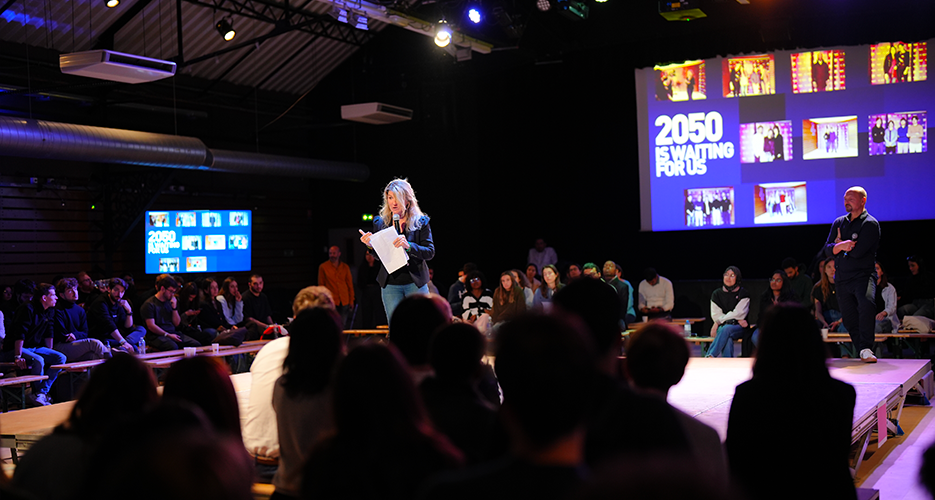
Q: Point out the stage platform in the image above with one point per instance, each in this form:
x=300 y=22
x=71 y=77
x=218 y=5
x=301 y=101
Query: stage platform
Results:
x=707 y=388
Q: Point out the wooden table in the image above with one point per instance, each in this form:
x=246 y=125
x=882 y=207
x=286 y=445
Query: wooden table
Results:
x=21 y=429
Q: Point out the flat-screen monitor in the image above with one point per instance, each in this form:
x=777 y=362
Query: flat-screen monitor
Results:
x=776 y=139
x=198 y=241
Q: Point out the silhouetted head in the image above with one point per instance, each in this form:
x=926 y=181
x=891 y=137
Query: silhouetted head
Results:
x=414 y=321
x=545 y=368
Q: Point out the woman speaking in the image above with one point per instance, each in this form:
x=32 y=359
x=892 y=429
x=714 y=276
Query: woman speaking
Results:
x=401 y=209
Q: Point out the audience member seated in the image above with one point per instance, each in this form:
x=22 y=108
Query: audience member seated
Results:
x=205 y=382
x=572 y=273
x=457 y=289
x=918 y=296
x=87 y=292
x=23 y=291
x=542 y=299
x=800 y=283
x=624 y=292
x=827 y=311
x=110 y=317
x=379 y=415
x=211 y=318
x=618 y=417
x=761 y=405
x=256 y=309
x=260 y=433
x=508 y=300
x=116 y=396
x=523 y=283
x=780 y=291
x=545 y=367
x=302 y=396
x=656 y=297
x=70 y=329
x=452 y=397
x=886 y=319
x=542 y=255
x=161 y=315
x=28 y=342
x=532 y=272
x=189 y=305
x=414 y=321
x=657 y=356
x=477 y=301
x=591 y=270
x=729 y=307
x=231 y=302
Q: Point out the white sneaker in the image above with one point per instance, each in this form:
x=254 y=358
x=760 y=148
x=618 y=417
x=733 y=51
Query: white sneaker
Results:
x=866 y=355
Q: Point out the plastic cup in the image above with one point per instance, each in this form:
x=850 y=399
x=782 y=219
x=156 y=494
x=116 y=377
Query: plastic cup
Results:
x=824 y=334
x=215 y=348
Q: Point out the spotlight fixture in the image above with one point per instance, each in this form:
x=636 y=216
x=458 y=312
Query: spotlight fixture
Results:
x=359 y=22
x=112 y=3
x=474 y=15
x=442 y=34
x=226 y=28
x=543 y=5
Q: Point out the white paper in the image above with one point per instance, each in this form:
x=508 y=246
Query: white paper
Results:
x=392 y=257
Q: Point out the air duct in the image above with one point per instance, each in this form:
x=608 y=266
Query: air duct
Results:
x=63 y=141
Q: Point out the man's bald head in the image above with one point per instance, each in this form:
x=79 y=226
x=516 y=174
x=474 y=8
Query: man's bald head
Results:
x=855 y=199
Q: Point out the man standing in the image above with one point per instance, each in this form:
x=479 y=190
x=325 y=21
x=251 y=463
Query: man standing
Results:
x=541 y=255
x=853 y=243
x=656 y=295
x=336 y=277
x=256 y=308
x=801 y=284
x=624 y=292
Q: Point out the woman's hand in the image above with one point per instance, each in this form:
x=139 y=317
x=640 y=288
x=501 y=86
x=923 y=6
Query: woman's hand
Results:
x=365 y=237
x=881 y=315
x=400 y=242
x=742 y=322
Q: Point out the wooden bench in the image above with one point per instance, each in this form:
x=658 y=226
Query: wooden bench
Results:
x=11 y=384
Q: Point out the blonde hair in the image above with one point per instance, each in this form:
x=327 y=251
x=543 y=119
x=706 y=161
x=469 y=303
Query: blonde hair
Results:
x=312 y=296
x=404 y=194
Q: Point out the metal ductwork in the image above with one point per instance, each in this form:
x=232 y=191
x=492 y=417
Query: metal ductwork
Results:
x=253 y=163
x=63 y=141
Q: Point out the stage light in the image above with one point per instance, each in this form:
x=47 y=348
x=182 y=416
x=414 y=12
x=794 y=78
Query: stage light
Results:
x=226 y=28
x=543 y=5
x=600 y=1
x=474 y=15
x=112 y=3
x=442 y=34
x=341 y=15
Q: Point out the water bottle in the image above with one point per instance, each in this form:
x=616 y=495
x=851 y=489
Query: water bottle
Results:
x=142 y=346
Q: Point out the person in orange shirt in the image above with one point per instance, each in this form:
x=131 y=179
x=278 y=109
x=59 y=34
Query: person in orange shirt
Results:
x=336 y=277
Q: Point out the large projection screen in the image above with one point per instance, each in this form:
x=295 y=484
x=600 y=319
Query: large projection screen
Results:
x=759 y=140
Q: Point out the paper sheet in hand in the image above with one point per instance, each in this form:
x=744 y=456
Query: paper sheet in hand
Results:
x=382 y=242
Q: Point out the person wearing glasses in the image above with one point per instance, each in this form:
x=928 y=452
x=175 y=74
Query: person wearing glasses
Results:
x=729 y=307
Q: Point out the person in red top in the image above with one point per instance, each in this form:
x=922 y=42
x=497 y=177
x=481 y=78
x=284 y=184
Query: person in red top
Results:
x=336 y=277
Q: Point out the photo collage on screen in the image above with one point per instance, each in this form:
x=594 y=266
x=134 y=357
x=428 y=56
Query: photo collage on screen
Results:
x=819 y=109
x=198 y=241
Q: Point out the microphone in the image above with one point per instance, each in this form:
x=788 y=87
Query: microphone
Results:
x=396 y=223
x=853 y=238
